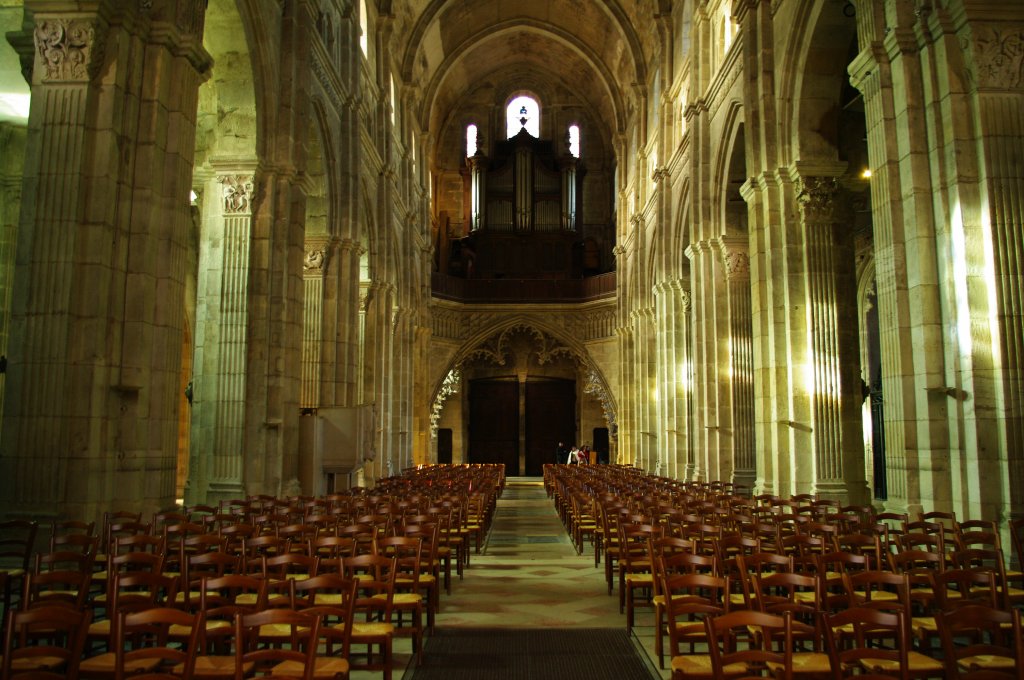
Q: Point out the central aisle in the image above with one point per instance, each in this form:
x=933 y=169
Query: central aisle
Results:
x=528 y=575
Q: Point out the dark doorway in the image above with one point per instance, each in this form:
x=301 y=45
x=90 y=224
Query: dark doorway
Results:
x=601 y=444
x=550 y=418
x=494 y=422
x=444 y=446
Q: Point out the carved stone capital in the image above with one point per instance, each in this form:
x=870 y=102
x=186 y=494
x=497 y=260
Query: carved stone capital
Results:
x=685 y=300
x=315 y=261
x=737 y=265
x=998 y=53
x=817 y=197
x=66 y=49
x=238 y=194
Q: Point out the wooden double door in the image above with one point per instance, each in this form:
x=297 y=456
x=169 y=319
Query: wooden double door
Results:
x=520 y=424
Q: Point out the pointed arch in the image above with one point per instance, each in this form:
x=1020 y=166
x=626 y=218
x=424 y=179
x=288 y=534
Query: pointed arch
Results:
x=535 y=323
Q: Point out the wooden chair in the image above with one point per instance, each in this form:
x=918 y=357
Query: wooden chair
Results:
x=763 y=633
x=859 y=654
x=583 y=523
x=372 y=626
x=729 y=550
x=280 y=569
x=331 y=598
x=127 y=593
x=978 y=639
x=805 y=551
x=891 y=592
x=689 y=599
x=146 y=647
x=119 y=522
x=608 y=538
x=44 y=643
x=221 y=600
x=17 y=541
x=64 y=560
x=636 y=566
x=866 y=545
x=667 y=565
x=947 y=522
x=431 y=563
x=127 y=563
x=331 y=551
x=798 y=596
x=61 y=530
x=991 y=559
x=408 y=601
x=63 y=587
x=1016 y=575
x=276 y=643
x=200 y=566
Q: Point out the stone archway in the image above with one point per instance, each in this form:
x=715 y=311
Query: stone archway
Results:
x=529 y=366
x=226 y=184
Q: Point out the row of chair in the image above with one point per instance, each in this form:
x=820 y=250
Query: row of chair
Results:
x=185 y=570
x=806 y=573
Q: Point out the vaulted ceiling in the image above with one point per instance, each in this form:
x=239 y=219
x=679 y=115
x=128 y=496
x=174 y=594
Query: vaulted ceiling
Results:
x=596 y=49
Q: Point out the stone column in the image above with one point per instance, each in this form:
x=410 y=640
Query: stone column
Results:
x=673 y=319
x=710 y=419
x=340 y=337
x=833 y=403
x=644 y=387
x=627 y=397
x=402 y=399
x=768 y=311
x=741 y=361
x=12 y=153
x=314 y=271
x=92 y=387
x=216 y=465
x=920 y=162
x=377 y=370
x=996 y=80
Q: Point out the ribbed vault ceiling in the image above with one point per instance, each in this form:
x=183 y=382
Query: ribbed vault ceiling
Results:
x=592 y=48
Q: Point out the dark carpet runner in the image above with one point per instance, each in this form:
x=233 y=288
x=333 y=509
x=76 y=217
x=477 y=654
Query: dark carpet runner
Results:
x=532 y=654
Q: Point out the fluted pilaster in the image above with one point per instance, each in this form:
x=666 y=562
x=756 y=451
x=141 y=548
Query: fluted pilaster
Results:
x=222 y=339
x=741 y=361
x=672 y=300
x=314 y=269
x=817 y=197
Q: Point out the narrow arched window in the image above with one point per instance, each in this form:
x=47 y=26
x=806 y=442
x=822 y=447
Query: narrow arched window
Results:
x=470 y=140
x=522 y=112
x=574 y=141
x=364 y=29
x=391 y=93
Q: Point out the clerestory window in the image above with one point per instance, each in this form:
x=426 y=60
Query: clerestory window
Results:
x=522 y=112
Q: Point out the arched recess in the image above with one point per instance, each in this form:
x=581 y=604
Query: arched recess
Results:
x=739 y=350
x=674 y=261
x=826 y=138
x=817 y=54
x=522 y=347
x=226 y=183
x=871 y=377
x=319 y=251
x=731 y=176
